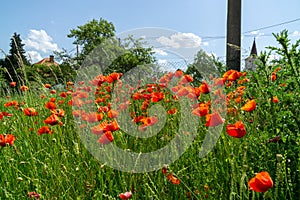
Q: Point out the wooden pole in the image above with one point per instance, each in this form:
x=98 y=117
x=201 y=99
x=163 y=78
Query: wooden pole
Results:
x=233 y=43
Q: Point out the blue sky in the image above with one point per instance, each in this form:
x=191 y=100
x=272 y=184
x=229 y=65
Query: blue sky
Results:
x=44 y=25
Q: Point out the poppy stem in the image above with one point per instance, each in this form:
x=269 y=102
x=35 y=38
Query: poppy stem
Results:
x=278 y=178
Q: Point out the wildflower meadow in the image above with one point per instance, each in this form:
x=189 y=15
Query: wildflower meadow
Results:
x=48 y=134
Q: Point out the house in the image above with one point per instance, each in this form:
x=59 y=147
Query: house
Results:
x=251 y=60
x=47 y=61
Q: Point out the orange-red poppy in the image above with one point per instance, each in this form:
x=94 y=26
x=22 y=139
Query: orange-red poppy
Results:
x=112 y=114
x=24 y=88
x=214 y=119
x=275 y=99
x=6 y=114
x=106 y=138
x=7 y=139
x=47 y=85
x=30 y=112
x=173 y=179
x=172 y=111
x=183 y=91
x=273 y=76
x=58 y=112
x=178 y=73
x=50 y=105
x=70 y=83
x=34 y=195
x=63 y=94
x=113 y=126
x=249 y=106
x=204 y=88
x=126 y=195
x=100 y=128
x=201 y=110
x=261 y=182
x=12 y=84
x=236 y=130
x=149 y=121
x=52 y=120
x=157 y=96
x=92 y=117
x=45 y=129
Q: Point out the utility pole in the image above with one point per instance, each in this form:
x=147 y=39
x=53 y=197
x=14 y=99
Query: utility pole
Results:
x=233 y=43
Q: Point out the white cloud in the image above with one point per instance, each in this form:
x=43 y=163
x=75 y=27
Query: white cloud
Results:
x=162 y=62
x=205 y=43
x=296 y=33
x=39 y=40
x=160 y=52
x=274 y=57
x=181 y=40
x=34 y=56
x=257 y=34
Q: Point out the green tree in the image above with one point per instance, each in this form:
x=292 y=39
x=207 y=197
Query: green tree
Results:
x=203 y=66
x=91 y=34
x=16 y=59
x=134 y=54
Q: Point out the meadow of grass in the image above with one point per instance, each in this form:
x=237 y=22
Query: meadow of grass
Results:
x=47 y=158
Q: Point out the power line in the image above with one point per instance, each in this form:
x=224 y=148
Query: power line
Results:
x=274 y=25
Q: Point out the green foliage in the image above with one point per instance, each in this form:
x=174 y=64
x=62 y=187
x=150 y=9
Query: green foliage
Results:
x=50 y=74
x=91 y=35
x=204 y=64
x=58 y=165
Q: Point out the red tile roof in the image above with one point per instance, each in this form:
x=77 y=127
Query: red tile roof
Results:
x=47 y=61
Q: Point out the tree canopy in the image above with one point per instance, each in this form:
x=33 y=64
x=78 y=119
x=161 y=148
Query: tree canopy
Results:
x=91 y=34
x=15 y=60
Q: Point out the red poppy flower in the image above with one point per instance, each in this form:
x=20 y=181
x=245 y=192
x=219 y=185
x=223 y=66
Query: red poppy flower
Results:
x=92 y=117
x=7 y=140
x=213 y=119
x=204 y=88
x=77 y=113
x=164 y=170
x=201 y=110
x=24 y=88
x=249 y=106
x=50 y=105
x=273 y=76
x=150 y=121
x=261 y=182
x=52 y=120
x=12 y=84
x=47 y=85
x=172 y=111
x=112 y=114
x=58 y=112
x=275 y=99
x=173 y=179
x=157 y=96
x=101 y=128
x=106 y=138
x=6 y=114
x=30 y=112
x=113 y=126
x=178 y=73
x=236 y=130
x=45 y=129
x=11 y=103
x=63 y=94
x=126 y=195
x=34 y=195
x=183 y=91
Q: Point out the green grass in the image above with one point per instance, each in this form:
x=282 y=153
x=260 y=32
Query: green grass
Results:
x=59 y=166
